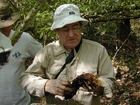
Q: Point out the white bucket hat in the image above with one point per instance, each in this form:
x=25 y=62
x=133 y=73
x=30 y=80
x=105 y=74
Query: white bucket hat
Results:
x=67 y=14
x=7 y=15
x=5 y=43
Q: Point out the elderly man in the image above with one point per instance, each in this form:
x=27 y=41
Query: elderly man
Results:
x=51 y=75
x=11 y=93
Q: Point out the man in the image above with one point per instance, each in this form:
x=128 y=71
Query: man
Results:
x=11 y=93
x=43 y=74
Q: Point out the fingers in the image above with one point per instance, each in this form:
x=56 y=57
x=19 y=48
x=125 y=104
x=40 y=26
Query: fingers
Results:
x=63 y=86
x=59 y=91
x=56 y=86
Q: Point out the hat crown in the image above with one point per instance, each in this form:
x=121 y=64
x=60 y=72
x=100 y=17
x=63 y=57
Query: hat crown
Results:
x=4 y=9
x=67 y=14
x=7 y=15
x=66 y=10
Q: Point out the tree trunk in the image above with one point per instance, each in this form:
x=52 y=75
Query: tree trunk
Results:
x=27 y=20
x=124 y=30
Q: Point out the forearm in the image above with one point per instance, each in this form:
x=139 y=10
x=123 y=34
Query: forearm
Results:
x=34 y=85
x=106 y=73
x=108 y=86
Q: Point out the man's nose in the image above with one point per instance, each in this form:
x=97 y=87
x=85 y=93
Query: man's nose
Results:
x=70 y=33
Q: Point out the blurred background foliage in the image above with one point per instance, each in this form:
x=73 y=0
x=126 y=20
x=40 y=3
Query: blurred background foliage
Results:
x=113 y=23
x=103 y=15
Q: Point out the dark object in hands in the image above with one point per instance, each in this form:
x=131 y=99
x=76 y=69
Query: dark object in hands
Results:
x=89 y=82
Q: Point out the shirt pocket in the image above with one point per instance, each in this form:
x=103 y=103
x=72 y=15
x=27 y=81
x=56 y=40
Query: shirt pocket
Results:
x=86 y=68
x=55 y=68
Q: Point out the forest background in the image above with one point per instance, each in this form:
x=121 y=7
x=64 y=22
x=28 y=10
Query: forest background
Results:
x=113 y=23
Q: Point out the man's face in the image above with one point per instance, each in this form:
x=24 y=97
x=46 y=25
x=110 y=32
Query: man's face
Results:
x=6 y=31
x=70 y=35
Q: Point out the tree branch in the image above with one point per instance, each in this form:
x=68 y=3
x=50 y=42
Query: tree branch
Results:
x=112 y=19
x=27 y=20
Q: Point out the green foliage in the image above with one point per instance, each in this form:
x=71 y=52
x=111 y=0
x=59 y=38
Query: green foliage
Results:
x=103 y=16
x=93 y=10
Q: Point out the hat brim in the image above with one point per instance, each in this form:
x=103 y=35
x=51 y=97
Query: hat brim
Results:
x=6 y=50
x=5 y=23
x=5 y=43
x=68 y=20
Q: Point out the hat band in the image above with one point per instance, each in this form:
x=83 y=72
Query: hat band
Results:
x=7 y=16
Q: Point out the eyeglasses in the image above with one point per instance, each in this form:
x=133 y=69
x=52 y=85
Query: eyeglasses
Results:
x=74 y=29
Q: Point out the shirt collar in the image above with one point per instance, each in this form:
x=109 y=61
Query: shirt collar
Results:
x=61 y=49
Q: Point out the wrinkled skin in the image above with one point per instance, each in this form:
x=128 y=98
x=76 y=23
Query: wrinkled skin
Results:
x=57 y=87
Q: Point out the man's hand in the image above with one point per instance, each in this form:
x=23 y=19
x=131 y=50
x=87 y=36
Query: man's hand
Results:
x=57 y=87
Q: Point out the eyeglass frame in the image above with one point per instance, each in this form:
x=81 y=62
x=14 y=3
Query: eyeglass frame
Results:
x=75 y=29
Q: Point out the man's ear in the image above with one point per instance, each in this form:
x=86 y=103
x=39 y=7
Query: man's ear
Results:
x=57 y=31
